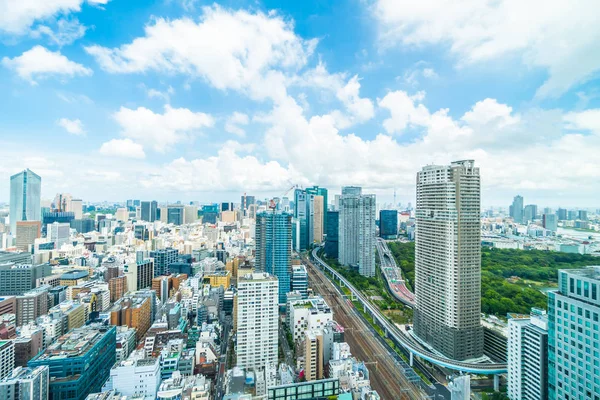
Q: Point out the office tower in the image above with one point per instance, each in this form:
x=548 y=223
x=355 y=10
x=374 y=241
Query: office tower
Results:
x=190 y=214
x=573 y=341
x=528 y=356
x=313 y=355
x=138 y=376
x=301 y=217
x=247 y=201
x=550 y=222
x=572 y=215
x=25 y=191
x=139 y=273
x=175 y=214
x=79 y=361
x=26 y=384
x=448 y=259
x=16 y=279
x=318 y=219
x=77 y=208
x=162 y=259
x=7 y=357
x=117 y=287
x=59 y=233
x=388 y=224
x=133 y=311
x=26 y=233
x=8 y=257
x=227 y=206
x=148 y=210
x=83 y=225
x=257 y=320
x=319 y=191
x=582 y=215
x=331 y=242
x=71 y=314
x=299 y=280
x=32 y=304
x=516 y=209
x=210 y=213
x=529 y=213
x=357 y=230
x=274 y=246
x=122 y=214
x=562 y=214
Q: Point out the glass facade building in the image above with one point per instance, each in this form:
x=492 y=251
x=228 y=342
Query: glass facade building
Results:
x=388 y=224
x=331 y=241
x=148 y=211
x=324 y=388
x=25 y=198
x=274 y=247
x=163 y=259
x=573 y=335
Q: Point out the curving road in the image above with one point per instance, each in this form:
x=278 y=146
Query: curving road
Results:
x=406 y=341
x=393 y=275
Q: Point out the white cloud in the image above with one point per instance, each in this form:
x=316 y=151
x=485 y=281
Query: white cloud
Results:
x=165 y=95
x=73 y=126
x=161 y=131
x=39 y=63
x=404 y=111
x=67 y=31
x=230 y=49
x=122 y=148
x=489 y=110
x=232 y=125
x=588 y=120
x=413 y=75
x=560 y=37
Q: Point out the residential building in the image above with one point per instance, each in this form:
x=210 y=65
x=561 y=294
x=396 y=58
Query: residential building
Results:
x=8 y=305
x=357 y=230
x=331 y=242
x=26 y=233
x=79 y=361
x=7 y=358
x=299 y=280
x=117 y=287
x=273 y=239
x=573 y=335
x=313 y=355
x=133 y=311
x=530 y=213
x=528 y=356
x=26 y=384
x=308 y=315
x=71 y=315
x=550 y=222
x=448 y=259
x=388 y=224
x=162 y=259
x=257 y=320
x=148 y=210
x=516 y=209
x=582 y=215
x=561 y=213
x=25 y=200
x=139 y=273
x=136 y=376
x=190 y=214
x=16 y=279
x=31 y=305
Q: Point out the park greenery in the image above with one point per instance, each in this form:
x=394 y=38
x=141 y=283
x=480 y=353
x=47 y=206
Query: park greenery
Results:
x=511 y=280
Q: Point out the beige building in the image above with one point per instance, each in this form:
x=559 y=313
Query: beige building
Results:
x=313 y=355
x=229 y=216
x=318 y=218
x=27 y=232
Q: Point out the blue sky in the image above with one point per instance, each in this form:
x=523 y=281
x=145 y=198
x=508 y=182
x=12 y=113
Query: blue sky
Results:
x=194 y=100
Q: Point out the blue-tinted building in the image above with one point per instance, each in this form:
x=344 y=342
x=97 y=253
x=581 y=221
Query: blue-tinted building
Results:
x=79 y=361
x=388 y=224
x=299 y=280
x=574 y=335
x=148 y=211
x=25 y=200
x=163 y=259
x=83 y=225
x=331 y=242
x=274 y=246
x=175 y=215
x=56 y=216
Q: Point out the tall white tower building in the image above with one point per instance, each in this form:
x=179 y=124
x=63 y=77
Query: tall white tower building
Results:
x=257 y=320
x=448 y=259
x=357 y=230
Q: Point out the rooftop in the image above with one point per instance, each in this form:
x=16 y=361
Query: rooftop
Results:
x=73 y=344
x=591 y=272
x=74 y=275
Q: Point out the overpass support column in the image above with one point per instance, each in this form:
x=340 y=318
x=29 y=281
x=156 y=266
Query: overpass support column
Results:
x=496 y=383
x=412 y=359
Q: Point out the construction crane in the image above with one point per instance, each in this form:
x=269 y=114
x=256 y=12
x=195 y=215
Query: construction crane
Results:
x=273 y=203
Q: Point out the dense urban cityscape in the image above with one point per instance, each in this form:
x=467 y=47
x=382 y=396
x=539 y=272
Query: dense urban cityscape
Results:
x=293 y=200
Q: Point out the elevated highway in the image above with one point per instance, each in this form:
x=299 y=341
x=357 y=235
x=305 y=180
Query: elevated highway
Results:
x=401 y=339
x=393 y=275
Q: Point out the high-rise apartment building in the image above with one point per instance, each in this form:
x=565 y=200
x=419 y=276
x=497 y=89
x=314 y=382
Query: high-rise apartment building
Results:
x=321 y=208
x=148 y=210
x=26 y=384
x=32 y=304
x=516 y=209
x=318 y=219
x=300 y=237
x=133 y=311
x=357 y=230
x=257 y=320
x=529 y=213
x=313 y=355
x=139 y=273
x=25 y=200
x=561 y=213
x=448 y=259
x=26 y=233
x=528 y=356
x=79 y=361
x=573 y=335
x=162 y=259
x=273 y=239
x=7 y=357
x=550 y=222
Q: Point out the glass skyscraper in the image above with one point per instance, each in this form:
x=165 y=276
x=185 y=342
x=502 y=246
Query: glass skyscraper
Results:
x=274 y=247
x=388 y=224
x=25 y=194
x=573 y=335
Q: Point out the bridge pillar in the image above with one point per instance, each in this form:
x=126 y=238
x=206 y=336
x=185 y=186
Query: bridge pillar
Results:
x=496 y=383
x=364 y=308
x=412 y=359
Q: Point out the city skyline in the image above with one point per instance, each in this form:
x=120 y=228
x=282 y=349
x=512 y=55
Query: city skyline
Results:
x=296 y=101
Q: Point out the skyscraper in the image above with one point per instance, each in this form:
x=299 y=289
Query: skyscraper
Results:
x=448 y=259
x=273 y=247
x=573 y=341
x=331 y=243
x=357 y=230
x=516 y=209
x=550 y=222
x=319 y=191
x=388 y=224
x=148 y=210
x=529 y=213
x=318 y=219
x=301 y=220
x=257 y=320
x=25 y=192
